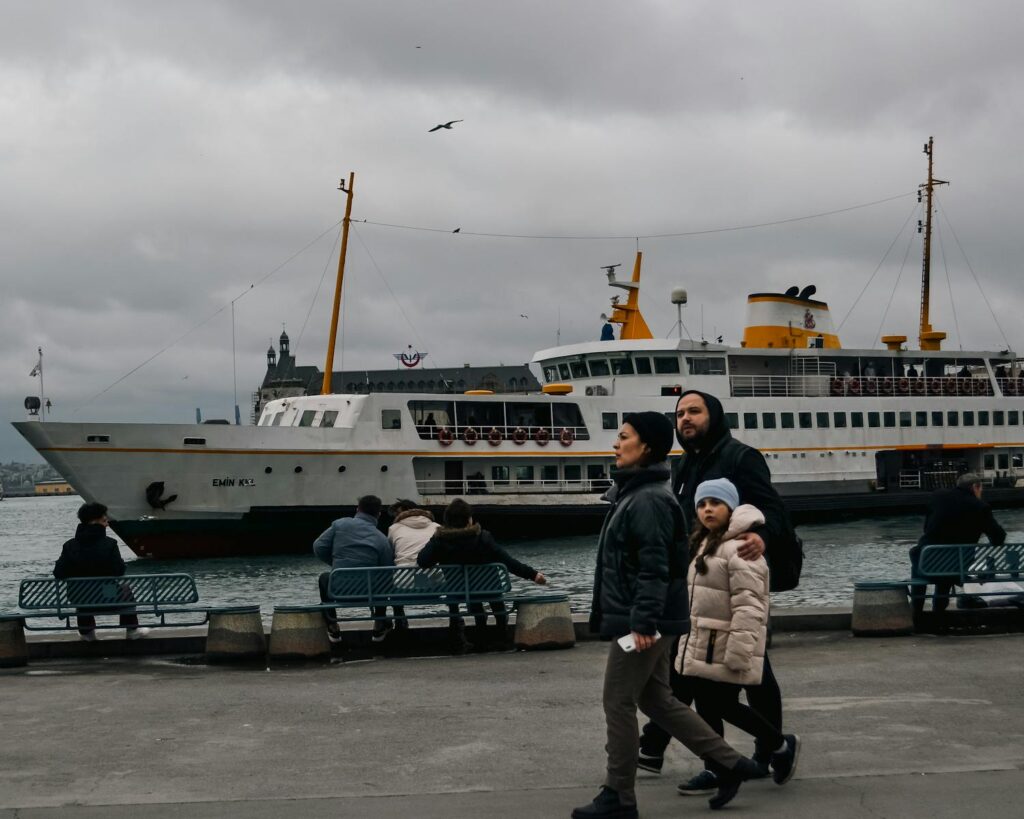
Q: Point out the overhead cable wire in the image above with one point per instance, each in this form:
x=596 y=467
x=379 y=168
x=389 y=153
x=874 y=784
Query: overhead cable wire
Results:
x=899 y=275
x=949 y=287
x=320 y=284
x=636 y=236
x=206 y=320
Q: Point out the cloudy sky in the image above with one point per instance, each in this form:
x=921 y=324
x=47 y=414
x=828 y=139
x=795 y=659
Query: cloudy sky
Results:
x=158 y=159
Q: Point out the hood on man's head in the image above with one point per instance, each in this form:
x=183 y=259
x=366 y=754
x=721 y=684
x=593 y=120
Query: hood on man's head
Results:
x=717 y=428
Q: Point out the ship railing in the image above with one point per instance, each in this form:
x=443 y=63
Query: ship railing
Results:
x=938 y=479
x=511 y=486
x=505 y=432
x=778 y=386
x=920 y=386
x=1011 y=386
x=910 y=479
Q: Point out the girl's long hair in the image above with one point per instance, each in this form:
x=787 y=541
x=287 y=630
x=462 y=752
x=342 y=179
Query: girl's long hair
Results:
x=697 y=536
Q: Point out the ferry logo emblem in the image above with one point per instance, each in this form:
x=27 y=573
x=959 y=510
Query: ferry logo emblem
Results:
x=808 y=320
x=410 y=358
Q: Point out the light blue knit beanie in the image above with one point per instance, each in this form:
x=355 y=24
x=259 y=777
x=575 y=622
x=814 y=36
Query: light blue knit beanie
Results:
x=720 y=489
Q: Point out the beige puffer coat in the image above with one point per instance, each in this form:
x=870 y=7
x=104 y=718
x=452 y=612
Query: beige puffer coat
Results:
x=728 y=611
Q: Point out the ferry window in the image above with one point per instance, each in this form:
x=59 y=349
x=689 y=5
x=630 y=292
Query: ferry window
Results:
x=390 y=419
x=622 y=366
x=936 y=418
x=968 y=418
x=550 y=373
x=889 y=419
x=805 y=420
x=609 y=420
x=277 y=419
x=329 y=417
x=768 y=420
x=905 y=418
x=579 y=369
x=568 y=416
x=732 y=420
x=952 y=418
x=499 y=475
x=480 y=414
x=598 y=367
x=822 y=419
x=1011 y=418
x=666 y=364
x=97 y=439
x=750 y=420
x=429 y=416
x=998 y=418
x=874 y=420
x=982 y=418
x=194 y=442
x=1017 y=459
x=921 y=418
x=989 y=461
x=595 y=472
x=573 y=473
x=705 y=366
x=787 y=420
x=856 y=419
x=1004 y=460
x=306 y=419
x=524 y=474
x=265 y=420
x=549 y=475
x=643 y=365
x=839 y=420
x=563 y=371
x=527 y=415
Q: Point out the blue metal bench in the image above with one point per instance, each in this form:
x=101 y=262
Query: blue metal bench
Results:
x=972 y=563
x=148 y=595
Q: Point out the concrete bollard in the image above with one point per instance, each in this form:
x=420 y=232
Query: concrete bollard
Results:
x=881 y=610
x=544 y=622
x=13 y=650
x=298 y=634
x=235 y=635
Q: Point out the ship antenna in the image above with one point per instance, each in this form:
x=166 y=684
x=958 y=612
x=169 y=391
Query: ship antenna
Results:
x=329 y=366
x=928 y=339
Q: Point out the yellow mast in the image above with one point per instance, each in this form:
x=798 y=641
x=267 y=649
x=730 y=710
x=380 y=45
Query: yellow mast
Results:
x=329 y=366
x=929 y=339
x=628 y=314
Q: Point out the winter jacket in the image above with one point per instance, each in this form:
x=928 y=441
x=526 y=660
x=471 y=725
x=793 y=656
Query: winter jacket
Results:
x=353 y=543
x=957 y=516
x=470 y=545
x=728 y=610
x=90 y=553
x=722 y=456
x=640 y=579
x=410 y=532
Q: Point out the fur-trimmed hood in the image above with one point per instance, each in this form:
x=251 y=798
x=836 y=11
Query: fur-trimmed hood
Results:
x=416 y=518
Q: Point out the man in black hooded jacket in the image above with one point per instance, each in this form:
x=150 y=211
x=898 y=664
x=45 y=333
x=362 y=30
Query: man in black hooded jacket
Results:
x=711 y=452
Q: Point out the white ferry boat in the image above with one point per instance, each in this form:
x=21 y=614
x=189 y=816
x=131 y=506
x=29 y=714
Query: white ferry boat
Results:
x=842 y=430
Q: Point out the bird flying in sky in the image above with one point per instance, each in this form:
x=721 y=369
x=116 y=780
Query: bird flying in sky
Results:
x=447 y=125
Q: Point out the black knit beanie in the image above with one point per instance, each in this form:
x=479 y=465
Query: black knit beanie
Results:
x=654 y=429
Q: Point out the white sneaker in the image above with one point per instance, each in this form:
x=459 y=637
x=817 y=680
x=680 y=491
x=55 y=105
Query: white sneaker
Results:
x=137 y=633
x=334 y=636
x=89 y=636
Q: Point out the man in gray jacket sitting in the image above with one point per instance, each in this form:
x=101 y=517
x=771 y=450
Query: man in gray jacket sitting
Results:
x=351 y=543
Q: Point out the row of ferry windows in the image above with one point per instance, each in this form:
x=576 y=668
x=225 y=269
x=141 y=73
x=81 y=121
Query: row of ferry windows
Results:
x=598 y=367
x=526 y=473
x=903 y=418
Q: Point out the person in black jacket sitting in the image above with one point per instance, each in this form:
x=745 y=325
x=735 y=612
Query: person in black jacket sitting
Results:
x=461 y=541
x=90 y=553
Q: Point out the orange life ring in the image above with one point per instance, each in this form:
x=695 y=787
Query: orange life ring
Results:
x=542 y=437
x=494 y=436
x=950 y=386
x=854 y=386
x=903 y=385
x=444 y=436
x=836 y=386
x=566 y=436
x=935 y=386
x=470 y=435
x=1009 y=386
x=920 y=386
x=519 y=436
x=886 y=387
x=871 y=386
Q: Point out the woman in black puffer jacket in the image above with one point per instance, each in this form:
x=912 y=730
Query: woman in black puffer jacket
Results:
x=640 y=594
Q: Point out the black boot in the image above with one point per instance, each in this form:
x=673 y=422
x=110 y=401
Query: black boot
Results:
x=457 y=642
x=730 y=779
x=608 y=804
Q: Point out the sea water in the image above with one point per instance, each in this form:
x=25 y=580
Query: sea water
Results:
x=33 y=529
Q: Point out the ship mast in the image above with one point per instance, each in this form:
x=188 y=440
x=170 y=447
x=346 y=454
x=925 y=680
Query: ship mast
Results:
x=329 y=366
x=929 y=339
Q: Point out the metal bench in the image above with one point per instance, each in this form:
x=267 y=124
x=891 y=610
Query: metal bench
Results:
x=972 y=563
x=148 y=595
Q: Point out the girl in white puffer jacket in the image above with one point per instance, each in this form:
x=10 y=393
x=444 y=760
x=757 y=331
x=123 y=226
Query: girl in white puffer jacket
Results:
x=724 y=650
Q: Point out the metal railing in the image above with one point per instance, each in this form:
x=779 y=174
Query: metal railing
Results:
x=488 y=486
x=921 y=386
x=505 y=432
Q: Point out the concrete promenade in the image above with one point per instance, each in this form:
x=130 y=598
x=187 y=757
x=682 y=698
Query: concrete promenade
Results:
x=903 y=727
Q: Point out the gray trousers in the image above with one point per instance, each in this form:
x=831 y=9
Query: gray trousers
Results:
x=640 y=679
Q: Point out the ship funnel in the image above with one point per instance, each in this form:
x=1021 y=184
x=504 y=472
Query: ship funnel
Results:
x=785 y=320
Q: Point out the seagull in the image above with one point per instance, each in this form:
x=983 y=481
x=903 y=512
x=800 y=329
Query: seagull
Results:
x=523 y=315
x=456 y=230
x=447 y=125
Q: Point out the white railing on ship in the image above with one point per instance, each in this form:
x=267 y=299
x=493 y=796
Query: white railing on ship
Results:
x=485 y=486
x=785 y=386
x=507 y=432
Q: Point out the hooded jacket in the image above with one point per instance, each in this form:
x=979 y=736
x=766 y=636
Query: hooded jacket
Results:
x=728 y=610
x=722 y=456
x=90 y=553
x=640 y=580
x=472 y=546
x=410 y=532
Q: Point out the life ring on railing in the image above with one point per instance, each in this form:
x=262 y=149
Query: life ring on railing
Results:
x=919 y=386
x=950 y=386
x=444 y=436
x=836 y=386
x=935 y=386
x=871 y=386
x=886 y=387
x=494 y=436
x=542 y=437
x=903 y=385
x=1009 y=386
x=981 y=386
x=566 y=436
x=470 y=435
x=519 y=436
x=854 y=386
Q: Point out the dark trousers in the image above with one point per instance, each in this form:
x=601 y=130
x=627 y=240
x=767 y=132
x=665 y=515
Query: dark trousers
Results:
x=87 y=622
x=765 y=699
x=331 y=615
x=919 y=591
x=718 y=701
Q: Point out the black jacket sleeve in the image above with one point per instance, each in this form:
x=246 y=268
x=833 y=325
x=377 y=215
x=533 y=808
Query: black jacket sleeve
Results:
x=996 y=534
x=495 y=554
x=652 y=526
x=61 y=568
x=426 y=558
x=754 y=482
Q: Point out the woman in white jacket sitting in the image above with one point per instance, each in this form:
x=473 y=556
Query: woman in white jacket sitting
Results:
x=411 y=530
x=724 y=650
